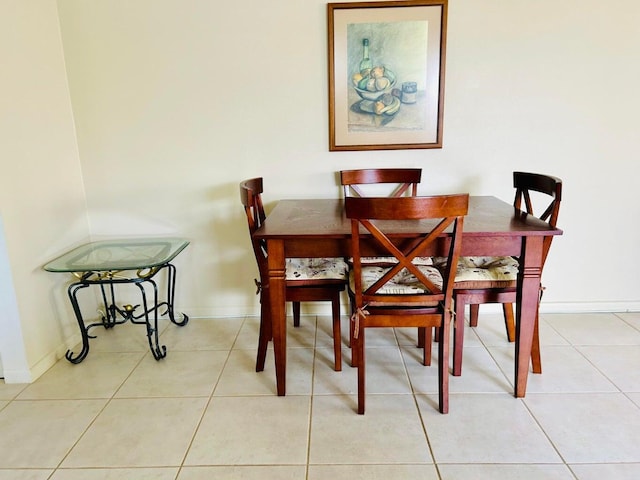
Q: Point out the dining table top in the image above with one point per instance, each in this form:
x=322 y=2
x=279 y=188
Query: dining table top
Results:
x=487 y=216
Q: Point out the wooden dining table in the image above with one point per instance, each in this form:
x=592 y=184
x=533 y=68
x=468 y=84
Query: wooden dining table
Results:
x=492 y=227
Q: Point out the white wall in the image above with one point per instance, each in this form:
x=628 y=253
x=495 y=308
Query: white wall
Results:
x=42 y=201
x=176 y=101
x=13 y=359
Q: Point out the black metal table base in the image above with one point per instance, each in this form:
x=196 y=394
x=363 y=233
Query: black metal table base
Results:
x=114 y=315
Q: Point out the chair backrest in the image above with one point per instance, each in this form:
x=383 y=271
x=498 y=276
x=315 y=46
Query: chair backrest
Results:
x=405 y=180
x=431 y=216
x=551 y=187
x=251 y=198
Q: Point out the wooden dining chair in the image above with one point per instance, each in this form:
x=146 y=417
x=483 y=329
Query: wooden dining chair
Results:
x=402 y=181
x=493 y=279
x=406 y=294
x=392 y=182
x=307 y=279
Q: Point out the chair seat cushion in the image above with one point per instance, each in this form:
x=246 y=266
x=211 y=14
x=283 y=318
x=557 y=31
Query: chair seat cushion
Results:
x=316 y=268
x=403 y=283
x=389 y=261
x=485 y=272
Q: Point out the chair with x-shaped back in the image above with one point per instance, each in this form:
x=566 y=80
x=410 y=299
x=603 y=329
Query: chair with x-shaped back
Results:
x=493 y=279
x=307 y=279
x=405 y=294
x=402 y=181
x=377 y=182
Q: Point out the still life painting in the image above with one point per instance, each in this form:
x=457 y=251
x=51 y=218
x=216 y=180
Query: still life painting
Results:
x=386 y=72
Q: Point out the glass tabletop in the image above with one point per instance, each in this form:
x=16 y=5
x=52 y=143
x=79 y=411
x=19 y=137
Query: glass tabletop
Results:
x=118 y=254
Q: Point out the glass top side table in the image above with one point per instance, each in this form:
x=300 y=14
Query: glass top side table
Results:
x=107 y=263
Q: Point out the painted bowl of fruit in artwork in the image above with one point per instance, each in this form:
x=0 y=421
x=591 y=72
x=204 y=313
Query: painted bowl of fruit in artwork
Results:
x=372 y=83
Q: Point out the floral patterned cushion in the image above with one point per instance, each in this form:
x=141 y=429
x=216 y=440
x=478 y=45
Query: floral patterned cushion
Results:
x=483 y=272
x=316 y=268
x=386 y=261
x=403 y=283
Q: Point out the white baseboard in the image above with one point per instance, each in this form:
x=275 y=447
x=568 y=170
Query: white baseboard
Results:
x=29 y=375
x=322 y=308
x=594 y=307
x=52 y=358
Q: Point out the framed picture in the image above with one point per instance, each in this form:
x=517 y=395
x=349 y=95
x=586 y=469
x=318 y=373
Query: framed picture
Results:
x=386 y=74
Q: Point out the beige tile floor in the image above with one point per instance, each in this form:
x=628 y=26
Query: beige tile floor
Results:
x=204 y=413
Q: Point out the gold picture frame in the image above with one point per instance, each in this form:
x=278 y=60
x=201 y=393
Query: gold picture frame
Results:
x=386 y=74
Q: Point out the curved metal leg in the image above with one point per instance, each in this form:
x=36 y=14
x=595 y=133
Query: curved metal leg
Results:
x=72 y=292
x=110 y=308
x=171 y=289
x=158 y=351
x=111 y=311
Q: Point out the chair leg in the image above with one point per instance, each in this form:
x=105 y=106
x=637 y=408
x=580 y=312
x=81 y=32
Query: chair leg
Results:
x=353 y=341
x=354 y=346
x=443 y=363
x=296 y=314
x=337 y=335
x=425 y=335
x=509 y=321
x=361 y=371
x=458 y=337
x=265 y=332
x=474 y=308
x=536 y=362
x=351 y=312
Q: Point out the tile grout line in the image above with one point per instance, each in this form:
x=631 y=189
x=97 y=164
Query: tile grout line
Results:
x=417 y=406
x=311 y=400
x=210 y=399
x=92 y=422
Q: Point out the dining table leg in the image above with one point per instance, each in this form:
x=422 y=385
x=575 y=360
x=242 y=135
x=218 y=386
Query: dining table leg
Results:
x=277 y=300
x=527 y=307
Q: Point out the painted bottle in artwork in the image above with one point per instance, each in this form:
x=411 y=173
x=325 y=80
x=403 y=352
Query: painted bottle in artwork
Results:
x=365 y=63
